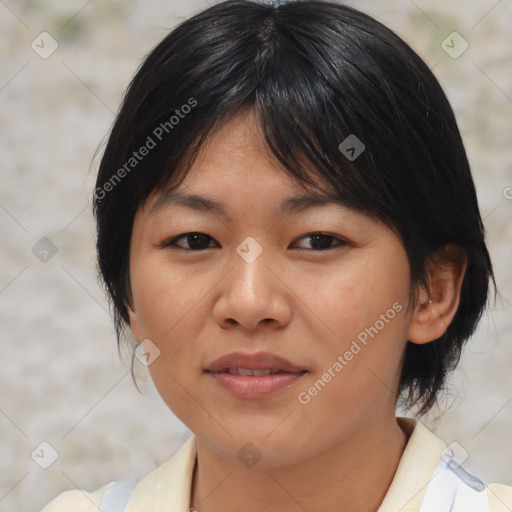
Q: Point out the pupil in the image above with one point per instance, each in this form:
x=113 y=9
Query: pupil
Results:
x=196 y=241
x=327 y=241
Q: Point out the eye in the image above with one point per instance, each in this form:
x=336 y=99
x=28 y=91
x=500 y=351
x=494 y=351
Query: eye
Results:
x=323 y=241
x=196 y=241
x=199 y=241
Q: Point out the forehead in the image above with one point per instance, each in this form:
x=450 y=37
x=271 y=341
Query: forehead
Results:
x=287 y=206
x=237 y=178
x=235 y=162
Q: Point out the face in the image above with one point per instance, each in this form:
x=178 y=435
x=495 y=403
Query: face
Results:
x=324 y=288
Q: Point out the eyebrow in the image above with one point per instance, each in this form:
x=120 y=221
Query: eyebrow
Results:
x=288 y=206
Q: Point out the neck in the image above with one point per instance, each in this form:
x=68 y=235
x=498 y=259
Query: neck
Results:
x=353 y=475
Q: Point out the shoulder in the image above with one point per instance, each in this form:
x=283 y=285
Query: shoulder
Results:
x=423 y=453
x=169 y=483
x=500 y=497
x=77 y=501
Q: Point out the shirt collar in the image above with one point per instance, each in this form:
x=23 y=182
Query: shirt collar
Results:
x=415 y=470
x=168 y=487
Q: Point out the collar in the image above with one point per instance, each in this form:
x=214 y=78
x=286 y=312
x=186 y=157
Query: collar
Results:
x=415 y=470
x=168 y=487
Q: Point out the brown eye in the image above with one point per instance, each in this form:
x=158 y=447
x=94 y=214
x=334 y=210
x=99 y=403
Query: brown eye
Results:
x=322 y=242
x=195 y=241
x=199 y=241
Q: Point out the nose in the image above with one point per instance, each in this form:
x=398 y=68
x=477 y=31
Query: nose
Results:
x=253 y=292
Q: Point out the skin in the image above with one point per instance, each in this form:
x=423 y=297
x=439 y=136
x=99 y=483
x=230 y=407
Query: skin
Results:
x=295 y=300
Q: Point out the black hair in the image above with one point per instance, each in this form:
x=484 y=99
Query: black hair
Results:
x=317 y=74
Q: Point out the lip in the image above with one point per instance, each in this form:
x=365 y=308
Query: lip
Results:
x=243 y=386
x=258 y=361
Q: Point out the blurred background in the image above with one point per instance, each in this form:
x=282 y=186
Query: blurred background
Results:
x=65 y=66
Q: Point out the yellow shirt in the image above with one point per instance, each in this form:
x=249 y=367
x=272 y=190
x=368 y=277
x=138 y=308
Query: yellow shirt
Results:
x=168 y=487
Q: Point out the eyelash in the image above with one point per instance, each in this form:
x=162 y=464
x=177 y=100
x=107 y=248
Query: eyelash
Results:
x=172 y=241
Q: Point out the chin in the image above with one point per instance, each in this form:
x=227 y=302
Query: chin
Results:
x=256 y=448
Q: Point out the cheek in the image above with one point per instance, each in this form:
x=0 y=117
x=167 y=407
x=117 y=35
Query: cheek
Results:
x=166 y=306
x=350 y=300
x=163 y=299
x=171 y=308
x=364 y=312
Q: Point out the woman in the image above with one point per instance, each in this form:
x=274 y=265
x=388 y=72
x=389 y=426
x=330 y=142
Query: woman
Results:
x=249 y=135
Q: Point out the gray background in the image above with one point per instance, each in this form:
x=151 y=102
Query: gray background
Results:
x=61 y=379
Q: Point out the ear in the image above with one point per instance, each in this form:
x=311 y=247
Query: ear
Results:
x=134 y=324
x=438 y=303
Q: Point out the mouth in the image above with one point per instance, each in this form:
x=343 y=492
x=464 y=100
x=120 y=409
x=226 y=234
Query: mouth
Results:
x=240 y=363
x=246 y=372
x=254 y=375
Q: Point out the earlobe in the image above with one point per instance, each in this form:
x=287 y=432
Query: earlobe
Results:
x=134 y=324
x=437 y=305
